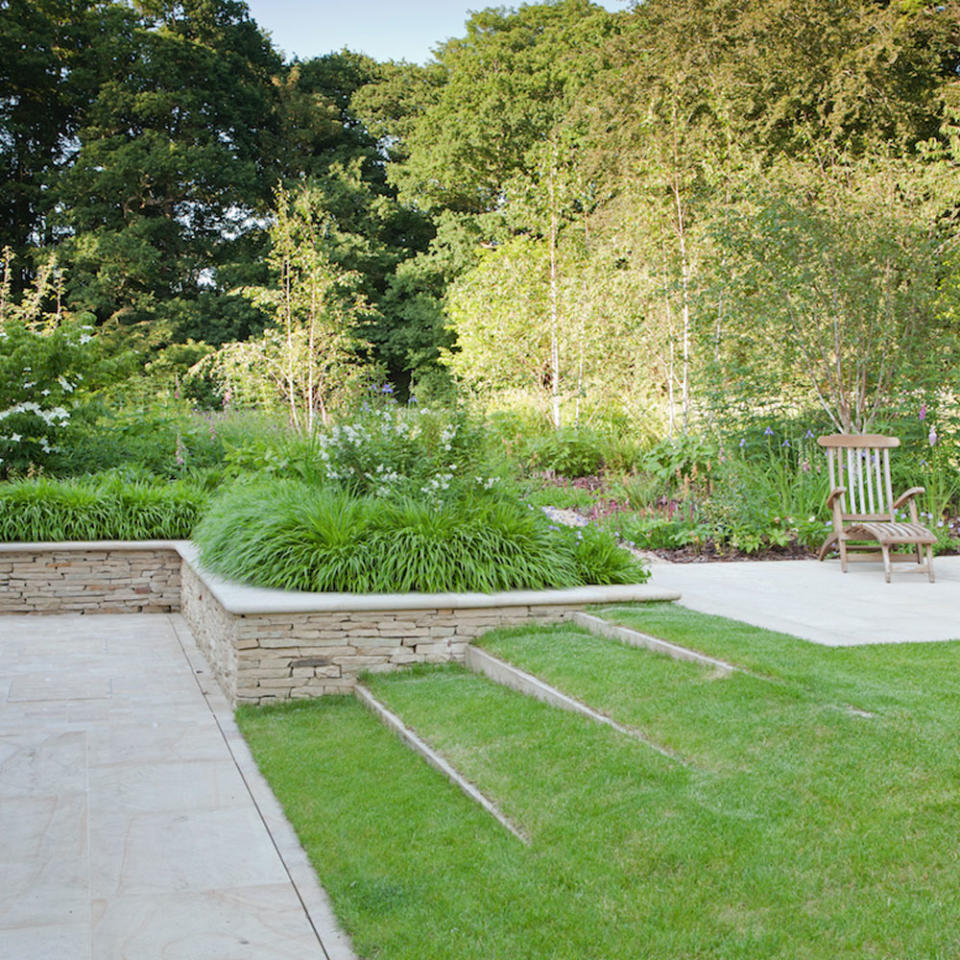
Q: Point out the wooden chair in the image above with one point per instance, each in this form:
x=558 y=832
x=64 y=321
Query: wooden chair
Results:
x=864 y=511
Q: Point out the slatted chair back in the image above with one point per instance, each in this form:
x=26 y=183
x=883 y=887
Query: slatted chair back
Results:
x=860 y=463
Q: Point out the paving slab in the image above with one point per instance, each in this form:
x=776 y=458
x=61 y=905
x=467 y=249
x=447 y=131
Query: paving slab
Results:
x=133 y=821
x=820 y=603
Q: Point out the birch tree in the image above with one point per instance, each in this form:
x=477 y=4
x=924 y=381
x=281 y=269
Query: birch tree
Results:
x=833 y=274
x=308 y=353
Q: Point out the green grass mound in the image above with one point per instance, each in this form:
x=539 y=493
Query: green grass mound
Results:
x=46 y=510
x=296 y=536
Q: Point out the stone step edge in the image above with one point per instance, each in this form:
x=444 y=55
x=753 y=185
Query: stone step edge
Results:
x=506 y=674
x=635 y=638
x=435 y=759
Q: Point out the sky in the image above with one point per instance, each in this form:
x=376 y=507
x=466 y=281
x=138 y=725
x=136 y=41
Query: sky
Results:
x=383 y=29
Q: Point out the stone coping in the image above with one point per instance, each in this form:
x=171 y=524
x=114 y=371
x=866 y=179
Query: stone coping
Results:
x=240 y=599
x=51 y=545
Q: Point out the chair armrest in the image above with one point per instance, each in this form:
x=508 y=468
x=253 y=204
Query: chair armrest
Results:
x=834 y=493
x=904 y=497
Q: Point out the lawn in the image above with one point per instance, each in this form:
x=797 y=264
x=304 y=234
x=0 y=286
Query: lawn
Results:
x=790 y=825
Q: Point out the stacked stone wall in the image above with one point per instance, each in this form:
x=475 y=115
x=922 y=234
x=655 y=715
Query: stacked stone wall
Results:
x=265 y=658
x=214 y=629
x=90 y=581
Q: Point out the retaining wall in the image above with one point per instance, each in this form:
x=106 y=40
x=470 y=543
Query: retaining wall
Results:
x=270 y=645
x=90 y=578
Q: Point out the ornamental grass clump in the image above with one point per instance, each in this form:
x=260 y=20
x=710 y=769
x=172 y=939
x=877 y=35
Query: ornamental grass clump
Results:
x=296 y=536
x=45 y=510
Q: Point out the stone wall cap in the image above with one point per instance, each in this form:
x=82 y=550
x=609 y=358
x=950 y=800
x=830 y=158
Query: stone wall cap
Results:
x=49 y=546
x=240 y=598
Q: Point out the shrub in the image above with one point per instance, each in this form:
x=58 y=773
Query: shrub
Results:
x=297 y=536
x=569 y=452
x=387 y=450
x=165 y=439
x=98 y=508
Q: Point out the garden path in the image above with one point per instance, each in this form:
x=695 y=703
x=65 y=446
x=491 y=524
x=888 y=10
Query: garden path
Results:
x=818 y=602
x=133 y=821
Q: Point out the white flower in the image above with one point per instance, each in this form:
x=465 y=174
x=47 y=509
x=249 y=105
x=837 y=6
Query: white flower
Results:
x=65 y=384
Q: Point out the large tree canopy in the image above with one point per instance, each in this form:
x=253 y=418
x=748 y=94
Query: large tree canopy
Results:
x=143 y=141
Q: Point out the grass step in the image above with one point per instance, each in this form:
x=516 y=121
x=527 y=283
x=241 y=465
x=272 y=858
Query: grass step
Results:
x=481 y=661
x=808 y=833
x=436 y=760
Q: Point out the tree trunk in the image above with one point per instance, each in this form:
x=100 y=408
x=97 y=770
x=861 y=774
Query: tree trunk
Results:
x=554 y=307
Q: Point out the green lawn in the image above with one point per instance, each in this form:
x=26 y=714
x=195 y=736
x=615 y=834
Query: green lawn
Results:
x=790 y=827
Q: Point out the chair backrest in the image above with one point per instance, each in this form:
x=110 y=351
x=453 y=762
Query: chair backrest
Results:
x=860 y=462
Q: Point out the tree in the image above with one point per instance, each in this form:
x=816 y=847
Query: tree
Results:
x=49 y=51
x=307 y=354
x=508 y=82
x=170 y=174
x=835 y=275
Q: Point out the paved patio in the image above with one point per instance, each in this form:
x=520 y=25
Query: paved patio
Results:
x=818 y=602
x=133 y=822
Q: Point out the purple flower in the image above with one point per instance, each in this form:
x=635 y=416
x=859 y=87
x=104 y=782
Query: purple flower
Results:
x=387 y=388
x=413 y=398
x=768 y=432
x=923 y=412
x=786 y=443
x=743 y=442
x=808 y=435
x=932 y=436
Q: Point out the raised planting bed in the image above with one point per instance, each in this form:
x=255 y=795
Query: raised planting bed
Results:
x=269 y=645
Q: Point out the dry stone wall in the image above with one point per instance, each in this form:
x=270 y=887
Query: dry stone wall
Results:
x=262 y=646
x=265 y=658
x=90 y=581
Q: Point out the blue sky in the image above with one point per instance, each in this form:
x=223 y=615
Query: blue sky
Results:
x=384 y=29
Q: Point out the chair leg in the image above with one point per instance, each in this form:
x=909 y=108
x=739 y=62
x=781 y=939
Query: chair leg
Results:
x=930 y=562
x=843 y=556
x=828 y=544
x=886 y=561
x=919 y=554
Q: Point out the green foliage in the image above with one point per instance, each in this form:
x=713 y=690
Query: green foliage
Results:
x=48 y=364
x=839 y=271
x=306 y=358
x=387 y=449
x=97 y=508
x=770 y=493
x=514 y=72
x=169 y=165
x=162 y=439
x=563 y=496
x=296 y=536
x=568 y=452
